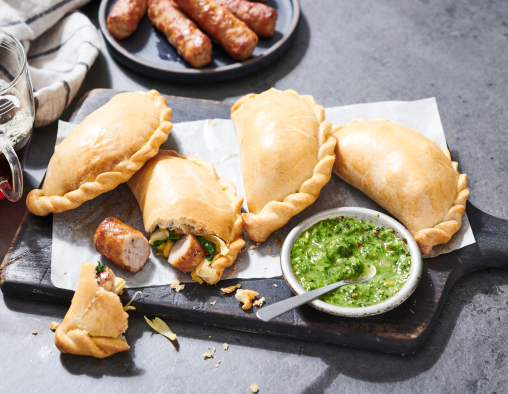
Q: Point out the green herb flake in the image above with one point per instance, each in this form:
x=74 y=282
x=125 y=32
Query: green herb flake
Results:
x=99 y=267
x=209 y=247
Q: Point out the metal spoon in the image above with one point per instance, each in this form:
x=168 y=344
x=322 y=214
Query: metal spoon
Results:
x=269 y=312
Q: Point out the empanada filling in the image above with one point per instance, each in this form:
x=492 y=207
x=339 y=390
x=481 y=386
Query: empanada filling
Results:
x=163 y=240
x=107 y=279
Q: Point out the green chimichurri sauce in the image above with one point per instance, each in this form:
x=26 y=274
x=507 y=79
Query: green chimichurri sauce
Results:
x=342 y=248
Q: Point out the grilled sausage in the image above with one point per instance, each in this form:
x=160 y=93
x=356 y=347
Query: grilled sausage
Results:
x=191 y=43
x=124 y=18
x=122 y=244
x=234 y=35
x=106 y=279
x=259 y=17
x=186 y=253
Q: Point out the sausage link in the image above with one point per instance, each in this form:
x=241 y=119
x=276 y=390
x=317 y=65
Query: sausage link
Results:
x=122 y=244
x=259 y=17
x=124 y=18
x=186 y=253
x=234 y=35
x=194 y=46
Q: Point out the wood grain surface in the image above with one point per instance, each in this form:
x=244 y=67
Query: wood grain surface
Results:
x=26 y=273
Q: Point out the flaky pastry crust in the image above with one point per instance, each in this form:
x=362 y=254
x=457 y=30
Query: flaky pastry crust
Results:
x=292 y=167
x=407 y=174
x=152 y=188
x=106 y=149
x=95 y=322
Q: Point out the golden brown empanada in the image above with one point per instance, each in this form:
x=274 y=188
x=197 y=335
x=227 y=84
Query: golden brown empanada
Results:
x=286 y=150
x=106 y=149
x=95 y=322
x=184 y=194
x=407 y=174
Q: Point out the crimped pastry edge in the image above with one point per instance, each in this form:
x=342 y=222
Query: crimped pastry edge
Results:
x=42 y=205
x=276 y=214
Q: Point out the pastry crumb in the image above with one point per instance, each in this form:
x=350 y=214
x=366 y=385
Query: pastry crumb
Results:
x=259 y=302
x=245 y=297
x=225 y=346
x=218 y=362
x=210 y=336
x=177 y=286
x=213 y=303
x=234 y=270
x=257 y=243
x=34 y=332
x=65 y=273
x=53 y=325
x=275 y=285
x=213 y=349
x=253 y=247
x=207 y=355
x=254 y=388
x=230 y=289
x=251 y=252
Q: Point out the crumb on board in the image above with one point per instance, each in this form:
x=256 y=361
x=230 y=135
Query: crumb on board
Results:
x=213 y=349
x=259 y=302
x=275 y=285
x=34 y=332
x=177 y=286
x=213 y=303
x=207 y=355
x=210 y=336
x=253 y=247
x=257 y=243
x=65 y=273
x=215 y=370
x=251 y=252
x=246 y=297
x=234 y=270
x=254 y=388
x=218 y=362
x=225 y=346
x=53 y=325
x=230 y=289
x=265 y=267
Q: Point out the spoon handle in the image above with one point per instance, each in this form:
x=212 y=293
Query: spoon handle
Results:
x=269 y=312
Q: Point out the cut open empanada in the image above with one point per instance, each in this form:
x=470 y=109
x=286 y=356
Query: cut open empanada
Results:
x=407 y=174
x=96 y=320
x=287 y=155
x=106 y=149
x=182 y=195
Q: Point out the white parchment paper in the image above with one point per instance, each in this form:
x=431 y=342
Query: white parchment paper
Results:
x=215 y=140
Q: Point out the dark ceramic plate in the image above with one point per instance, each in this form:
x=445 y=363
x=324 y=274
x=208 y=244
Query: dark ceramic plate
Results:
x=148 y=51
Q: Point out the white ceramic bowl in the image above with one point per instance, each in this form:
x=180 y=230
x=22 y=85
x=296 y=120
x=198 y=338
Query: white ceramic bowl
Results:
x=378 y=219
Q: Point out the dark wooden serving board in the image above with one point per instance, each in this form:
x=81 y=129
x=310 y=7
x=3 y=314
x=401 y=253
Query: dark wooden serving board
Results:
x=26 y=273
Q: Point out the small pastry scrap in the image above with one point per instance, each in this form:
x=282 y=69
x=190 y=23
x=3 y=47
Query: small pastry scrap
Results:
x=193 y=215
x=406 y=173
x=124 y=18
x=246 y=297
x=234 y=35
x=106 y=149
x=287 y=155
x=191 y=43
x=96 y=320
x=259 y=17
x=122 y=244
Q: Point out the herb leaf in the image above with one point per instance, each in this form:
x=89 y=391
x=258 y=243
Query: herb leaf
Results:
x=99 y=267
x=209 y=247
x=172 y=237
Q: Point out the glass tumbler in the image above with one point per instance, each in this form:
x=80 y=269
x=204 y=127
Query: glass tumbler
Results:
x=17 y=114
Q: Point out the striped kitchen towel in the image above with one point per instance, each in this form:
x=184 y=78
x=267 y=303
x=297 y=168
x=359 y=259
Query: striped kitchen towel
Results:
x=61 y=46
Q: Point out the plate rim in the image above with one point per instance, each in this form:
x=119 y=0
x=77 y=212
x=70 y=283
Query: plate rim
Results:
x=193 y=71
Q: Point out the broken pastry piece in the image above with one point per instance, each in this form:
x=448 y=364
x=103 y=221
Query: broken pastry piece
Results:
x=287 y=155
x=193 y=215
x=406 y=173
x=246 y=297
x=95 y=322
x=106 y=149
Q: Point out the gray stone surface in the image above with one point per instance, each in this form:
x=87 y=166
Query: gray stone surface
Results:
x=345 y=52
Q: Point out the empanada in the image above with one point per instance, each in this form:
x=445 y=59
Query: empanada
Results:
x=286 y=151
x=183 y=195
x=95 y=322
x=106 y=149
x=407 y=174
